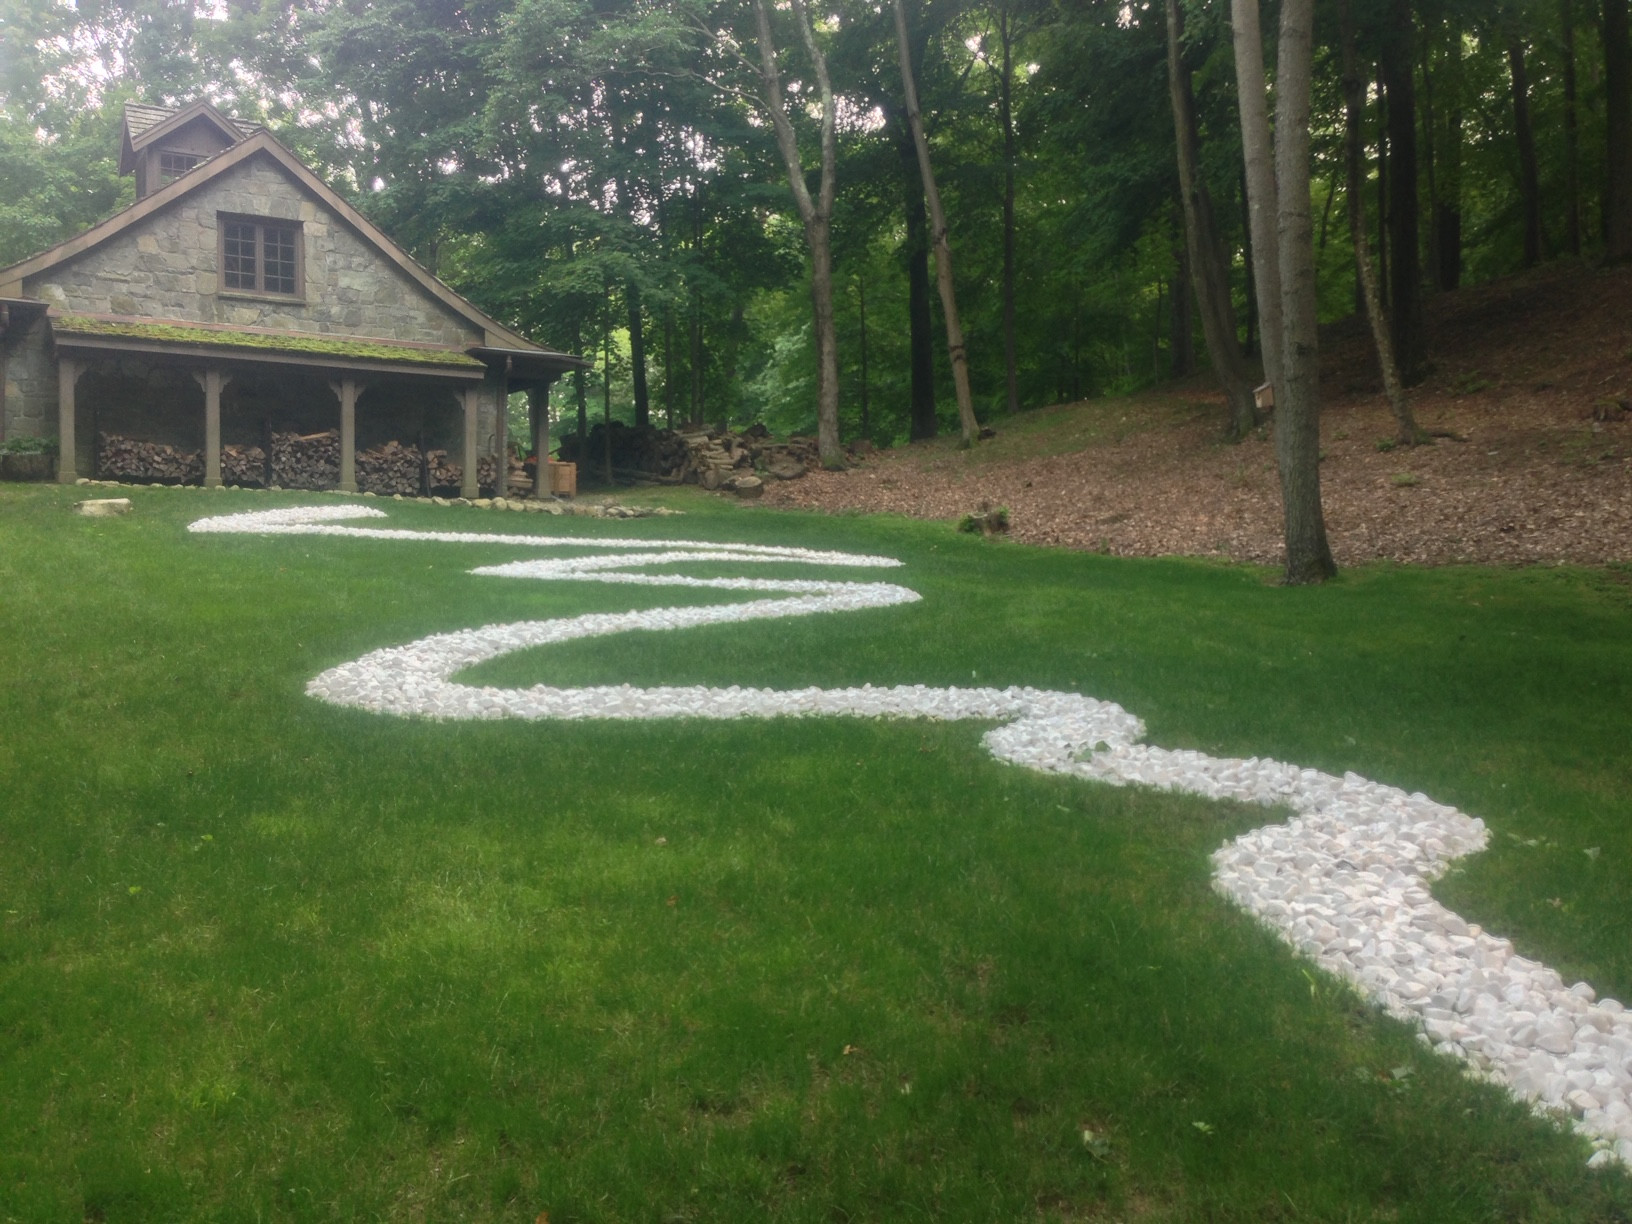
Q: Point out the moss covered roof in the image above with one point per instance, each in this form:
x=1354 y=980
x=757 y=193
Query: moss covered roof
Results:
x=283 y=342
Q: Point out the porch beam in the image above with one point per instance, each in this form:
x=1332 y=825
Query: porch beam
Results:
x=68 y=372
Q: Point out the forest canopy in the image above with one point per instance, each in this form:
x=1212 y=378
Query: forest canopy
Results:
x=604 y=175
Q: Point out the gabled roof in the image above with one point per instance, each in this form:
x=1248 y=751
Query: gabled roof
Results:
x=145 y=124
x=263 y=144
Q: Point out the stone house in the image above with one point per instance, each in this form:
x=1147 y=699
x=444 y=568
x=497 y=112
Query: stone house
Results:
x=240 y=295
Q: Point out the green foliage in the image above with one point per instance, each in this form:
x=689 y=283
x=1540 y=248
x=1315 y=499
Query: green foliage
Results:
x=558 y=160
x=28 y=444
x=57 y=176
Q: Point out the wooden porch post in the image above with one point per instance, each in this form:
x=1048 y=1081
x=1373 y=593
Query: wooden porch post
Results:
x=213 y=382
x=538 y=405
x=469 y=486
x=347 y=390
x=501 y=438
x=68 y=372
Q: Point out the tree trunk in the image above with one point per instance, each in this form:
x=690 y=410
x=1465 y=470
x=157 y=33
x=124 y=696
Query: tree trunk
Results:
x=606 y=401
x=1250 y=344
x=1572 y=134
x=819 y=238
x=637 y=356
x=1005 y=100
x=1404 y=239
x=861 y=306
x=581 y=395
x=1430 y=147
x=1209 y=273
x=1618 y=132
x=668 y=366
x=1260 y=170
x=1382 y=198
x=1447 y=203
x=1529 y=178
x=943 y=245
x=1182 y=348
x=817 y=214
x=920 y=341
x=695 y=337
x=698 y=356
x=1354 y=112
x=1297 y=411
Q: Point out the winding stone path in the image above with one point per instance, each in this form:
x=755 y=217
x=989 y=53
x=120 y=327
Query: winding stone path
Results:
x=1344 y=881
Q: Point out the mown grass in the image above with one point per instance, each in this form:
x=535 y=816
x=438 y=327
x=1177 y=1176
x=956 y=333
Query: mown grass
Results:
x=265 y=959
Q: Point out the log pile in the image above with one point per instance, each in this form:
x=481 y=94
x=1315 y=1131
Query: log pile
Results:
x=120 y=458
x=243 y=465
x=713 y=458
x=306 y=461
x=388 y=469
x=445 y=476
x=299 y=461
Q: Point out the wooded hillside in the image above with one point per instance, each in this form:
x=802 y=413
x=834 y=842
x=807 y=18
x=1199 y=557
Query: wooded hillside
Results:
x=650 y=183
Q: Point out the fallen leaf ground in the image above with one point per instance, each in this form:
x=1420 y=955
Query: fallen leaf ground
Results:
x=1523 y=371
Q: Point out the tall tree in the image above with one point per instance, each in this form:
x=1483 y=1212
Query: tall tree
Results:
x=1354 y=111
x=1572 y=130
x=1525 y=136
x=915 y=254
x=1397 y=64
x=1209 y=270
x=1617 y=131
x=637 y=355
x=1444 y=71
x=1297 y=405
x=1259 y=156
x=941 y=237
x=1005 y=111
x=815 y=212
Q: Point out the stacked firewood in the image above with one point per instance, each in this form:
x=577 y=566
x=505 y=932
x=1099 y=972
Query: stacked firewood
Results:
x=447 y=477
x=709 y=457
x=243 y=465
x=441 y=474
x=388 y=469
x=306 y=461
x=299 y=461
x=119 y=458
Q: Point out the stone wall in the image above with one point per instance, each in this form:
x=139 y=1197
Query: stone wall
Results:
x=166 y=267
x=30 y=382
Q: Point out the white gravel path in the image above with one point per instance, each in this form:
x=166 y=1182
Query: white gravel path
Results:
x=1344 y=881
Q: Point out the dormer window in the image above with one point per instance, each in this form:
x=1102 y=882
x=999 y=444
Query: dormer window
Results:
x=173 y=163
x=260 y=256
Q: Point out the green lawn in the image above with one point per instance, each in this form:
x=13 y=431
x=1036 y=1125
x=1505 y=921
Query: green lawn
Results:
x=263 y=959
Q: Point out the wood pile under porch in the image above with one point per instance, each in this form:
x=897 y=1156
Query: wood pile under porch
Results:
x=138 y=391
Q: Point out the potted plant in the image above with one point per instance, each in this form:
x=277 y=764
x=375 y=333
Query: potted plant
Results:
x=28 y=458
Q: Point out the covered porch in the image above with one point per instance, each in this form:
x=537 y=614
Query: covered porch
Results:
x=170 y=382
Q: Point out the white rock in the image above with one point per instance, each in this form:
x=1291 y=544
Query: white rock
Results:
x=105 y=507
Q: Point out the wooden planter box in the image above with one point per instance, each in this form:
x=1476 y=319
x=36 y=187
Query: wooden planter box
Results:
x=563 y=479
x=27 y=467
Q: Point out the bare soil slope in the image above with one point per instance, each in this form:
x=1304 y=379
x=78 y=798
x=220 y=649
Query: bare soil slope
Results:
x=1531 y=375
